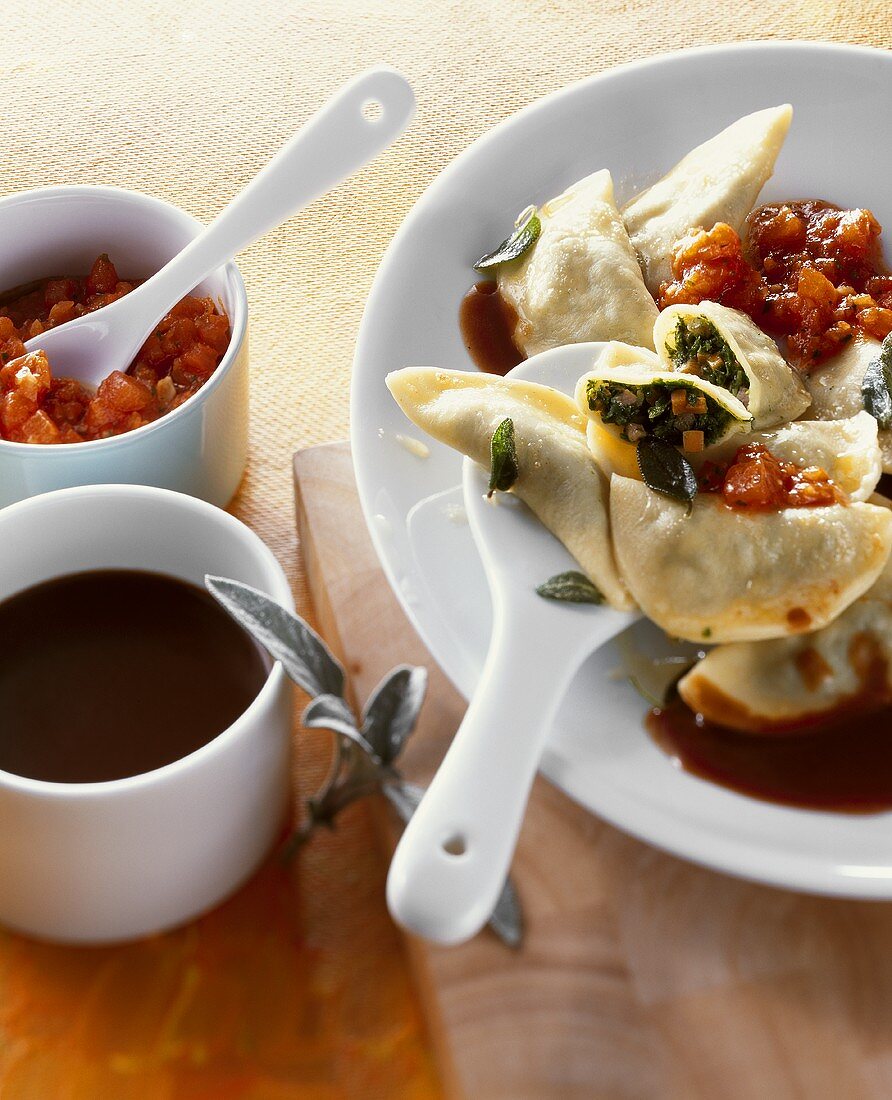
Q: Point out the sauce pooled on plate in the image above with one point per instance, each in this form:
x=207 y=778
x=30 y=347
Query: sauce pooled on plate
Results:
x=843 y=764
x=487 y=322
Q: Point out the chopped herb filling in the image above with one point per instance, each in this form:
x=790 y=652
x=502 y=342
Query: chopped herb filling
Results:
x=700 y=350
x=662 y=410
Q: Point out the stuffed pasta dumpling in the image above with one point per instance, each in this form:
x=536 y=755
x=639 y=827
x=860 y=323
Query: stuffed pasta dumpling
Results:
x=723 y=574
x=629 y=394
x=835 y=388
x=557 y=477
x=726 y=347
x=718 y=181
x=846 y=450
x=580 y=281
x=762 y=687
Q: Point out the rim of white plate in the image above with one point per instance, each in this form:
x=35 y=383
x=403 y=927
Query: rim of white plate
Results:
x=632 y=815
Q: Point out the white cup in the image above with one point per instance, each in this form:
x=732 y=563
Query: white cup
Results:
x=200 y=447
x=101 y=862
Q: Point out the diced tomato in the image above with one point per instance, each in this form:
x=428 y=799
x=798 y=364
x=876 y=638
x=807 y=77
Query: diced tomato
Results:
x=757 y=480
x=173 y=364
x=808 y=271
x=103 y=277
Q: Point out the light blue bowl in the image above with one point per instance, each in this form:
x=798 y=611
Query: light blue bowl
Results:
x=201 y=447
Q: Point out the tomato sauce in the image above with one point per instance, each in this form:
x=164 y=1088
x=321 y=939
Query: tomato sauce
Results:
x=758 y=481
x=808 y=271
x=173 y=364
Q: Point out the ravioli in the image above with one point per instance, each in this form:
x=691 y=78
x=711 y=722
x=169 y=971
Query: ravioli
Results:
x=846 y=449
x=725 y=575
x=835 y=388
x=718 y=181
x=728 y=348
x=630 y=394
x=761 y=687
x=557 y=477
x=581 y=280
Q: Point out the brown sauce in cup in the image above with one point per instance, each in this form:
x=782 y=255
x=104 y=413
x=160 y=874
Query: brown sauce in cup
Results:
x=113 y=673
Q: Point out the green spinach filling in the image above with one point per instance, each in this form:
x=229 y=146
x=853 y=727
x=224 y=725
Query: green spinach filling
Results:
x=700 y=349
x=648 y=410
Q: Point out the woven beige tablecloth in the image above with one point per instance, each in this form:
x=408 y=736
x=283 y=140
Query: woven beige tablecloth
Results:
x=187 y=101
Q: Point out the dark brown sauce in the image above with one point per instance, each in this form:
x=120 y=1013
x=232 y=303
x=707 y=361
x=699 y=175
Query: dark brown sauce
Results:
x=843 y=764
x=487 y=323
x=116 y=672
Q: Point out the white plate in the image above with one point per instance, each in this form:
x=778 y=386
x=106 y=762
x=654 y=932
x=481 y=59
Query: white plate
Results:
x=637 y=120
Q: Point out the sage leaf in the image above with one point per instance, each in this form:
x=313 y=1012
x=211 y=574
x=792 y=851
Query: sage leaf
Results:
x=507 y=917
x=503 y=458
x=363 y=760
x=304 y=656
x=571 y=587
x=404 y=797
x=330 y=712
x=666 y=470
x=876 y=388
x=525 y=234
x=392 y=711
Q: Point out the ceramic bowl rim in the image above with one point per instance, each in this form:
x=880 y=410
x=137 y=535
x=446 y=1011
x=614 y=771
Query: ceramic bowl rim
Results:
x=276 y=677
x=238 y=321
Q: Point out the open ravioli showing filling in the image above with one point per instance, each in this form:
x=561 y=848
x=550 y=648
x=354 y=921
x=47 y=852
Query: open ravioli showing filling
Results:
x=627 y=397
x=725 y=347
x=581 y=280
x=722 y=574
x=764 y=687
x=557 y=477
x=718 y=181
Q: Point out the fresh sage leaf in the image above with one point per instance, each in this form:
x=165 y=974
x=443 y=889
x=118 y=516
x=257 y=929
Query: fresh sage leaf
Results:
x=525 y=234
x=404 y=797
x=876 y=388
x=507 y=917
x=284 y=636
x=503 y=458
x=330 y=712
x=666 y=470
x=392 y=710
x=571 y=587
x=363 y=761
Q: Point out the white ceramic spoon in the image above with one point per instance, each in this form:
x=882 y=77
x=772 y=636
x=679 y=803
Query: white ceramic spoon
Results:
x=453 y=857
x=339 y=139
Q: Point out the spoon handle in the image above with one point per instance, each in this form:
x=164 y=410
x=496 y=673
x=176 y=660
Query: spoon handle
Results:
x=338 y=140
x=454 y=855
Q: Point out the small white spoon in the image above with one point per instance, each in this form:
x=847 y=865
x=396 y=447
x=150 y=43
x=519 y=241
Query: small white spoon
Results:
x=360 y=120
x=453 y=857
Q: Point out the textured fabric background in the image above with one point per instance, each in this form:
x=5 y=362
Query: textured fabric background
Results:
x=187 y=101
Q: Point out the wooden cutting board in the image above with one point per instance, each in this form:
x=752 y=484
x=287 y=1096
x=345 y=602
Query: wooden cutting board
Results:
x=640 y=975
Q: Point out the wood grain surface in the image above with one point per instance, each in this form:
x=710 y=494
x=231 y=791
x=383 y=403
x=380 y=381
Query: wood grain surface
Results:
x=641 y=975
